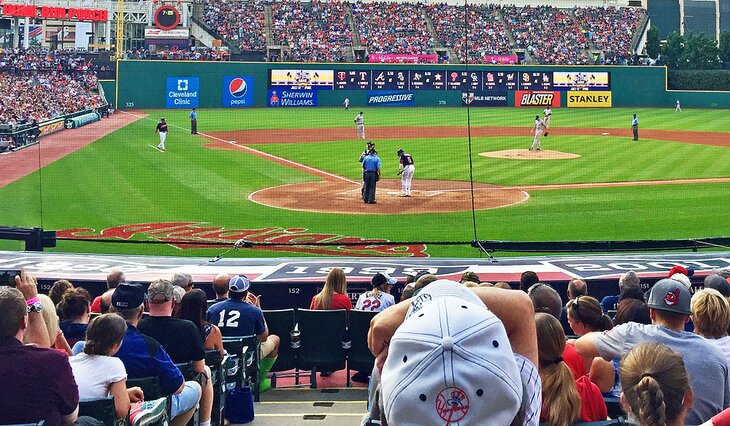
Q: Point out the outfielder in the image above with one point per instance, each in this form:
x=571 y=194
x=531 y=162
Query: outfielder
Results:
x=547 y=113
x=538 y=129
x=161 y=129
x=360 y=123
x=406 y=170
x=678 y=108
x=347 y=104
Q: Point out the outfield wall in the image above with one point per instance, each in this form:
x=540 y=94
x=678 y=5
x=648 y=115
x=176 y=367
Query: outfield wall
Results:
x=151 y=84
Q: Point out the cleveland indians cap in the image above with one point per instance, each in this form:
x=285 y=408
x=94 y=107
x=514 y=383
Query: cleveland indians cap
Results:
x=238 y=284
x=670 y=295
x=450 y=362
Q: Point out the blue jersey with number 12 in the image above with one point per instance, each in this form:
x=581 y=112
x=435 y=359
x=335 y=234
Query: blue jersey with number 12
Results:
x=237 y=318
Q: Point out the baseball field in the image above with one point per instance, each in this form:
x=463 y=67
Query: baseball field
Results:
x=293 y=176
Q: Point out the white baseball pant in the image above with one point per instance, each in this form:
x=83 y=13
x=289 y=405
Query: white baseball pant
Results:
x=406 y=179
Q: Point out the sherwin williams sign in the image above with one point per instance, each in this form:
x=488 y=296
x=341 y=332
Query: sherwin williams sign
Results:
x=292 y=98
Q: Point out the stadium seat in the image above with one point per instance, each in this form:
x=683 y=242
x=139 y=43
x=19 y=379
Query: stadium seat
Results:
x=359 y=357
x=100 y=409
x=281 y=322
x=245 y=351
x=187 y=370
x=215 y=361
x=151 y=388
x=322 y=341
x=613 y=405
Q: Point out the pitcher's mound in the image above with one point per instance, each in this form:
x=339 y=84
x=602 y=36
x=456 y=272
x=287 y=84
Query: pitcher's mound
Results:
x=526 y=154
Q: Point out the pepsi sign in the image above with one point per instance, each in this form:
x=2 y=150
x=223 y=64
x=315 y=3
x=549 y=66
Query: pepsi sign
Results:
x=237 y=91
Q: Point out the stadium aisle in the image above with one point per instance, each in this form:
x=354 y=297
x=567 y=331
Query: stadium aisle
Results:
x=306 y=406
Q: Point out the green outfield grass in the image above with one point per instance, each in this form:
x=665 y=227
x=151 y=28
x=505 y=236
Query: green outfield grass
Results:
x=121 y=180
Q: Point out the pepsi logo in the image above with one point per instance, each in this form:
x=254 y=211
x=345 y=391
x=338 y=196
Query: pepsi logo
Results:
x=237 y=87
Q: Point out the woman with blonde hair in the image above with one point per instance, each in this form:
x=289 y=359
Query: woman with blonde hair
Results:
x=655 y=383
x=565 y=400
x=711 y=318
x=50 y=317
x=584 y=316
x=334 y=293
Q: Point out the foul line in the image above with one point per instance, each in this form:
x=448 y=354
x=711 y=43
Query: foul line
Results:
x=262 y=154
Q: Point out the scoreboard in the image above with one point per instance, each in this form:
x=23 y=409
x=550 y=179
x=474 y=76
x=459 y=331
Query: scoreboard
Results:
x=498 y=80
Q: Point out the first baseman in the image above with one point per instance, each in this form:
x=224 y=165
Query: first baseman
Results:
x=547 y=113
x=360 y=123
x=406 y=170
x=161 y=129
x=538 y=129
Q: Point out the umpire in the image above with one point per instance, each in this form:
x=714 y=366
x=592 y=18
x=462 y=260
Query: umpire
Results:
x=371 y=166
x=193 y=122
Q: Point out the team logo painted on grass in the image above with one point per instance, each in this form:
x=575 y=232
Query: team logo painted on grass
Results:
x=201 y=235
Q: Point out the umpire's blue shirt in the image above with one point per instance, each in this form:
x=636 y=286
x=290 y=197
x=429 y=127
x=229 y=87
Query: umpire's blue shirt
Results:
x=371 y=163
x=143 y=356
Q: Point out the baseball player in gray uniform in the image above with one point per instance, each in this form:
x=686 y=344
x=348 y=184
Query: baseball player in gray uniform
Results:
x=538 y=129
x=360 y=123
x=547 y=113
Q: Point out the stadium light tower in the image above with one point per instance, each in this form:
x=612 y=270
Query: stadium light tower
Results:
x=120 y=29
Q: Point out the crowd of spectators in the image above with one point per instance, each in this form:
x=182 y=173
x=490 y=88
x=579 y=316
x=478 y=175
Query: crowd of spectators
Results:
x=485 y=34
x=548 y=34
x=667 y=359
x=191 y=54
x=393 y=28
x=241 y=22
x=316 y=31
x=611 y=29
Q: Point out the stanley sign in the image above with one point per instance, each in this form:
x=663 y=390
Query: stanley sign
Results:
x=536 y=98
x=597 y=99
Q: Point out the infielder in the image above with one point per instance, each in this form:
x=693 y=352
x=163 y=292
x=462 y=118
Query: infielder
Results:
x=406 y=170
x=347 y=104
x=360 y=123
x=547 y=113
x=678 y=108
x=538 y=129
x=162 y=130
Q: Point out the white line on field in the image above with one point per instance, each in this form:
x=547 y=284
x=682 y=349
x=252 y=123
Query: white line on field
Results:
x=261 y=153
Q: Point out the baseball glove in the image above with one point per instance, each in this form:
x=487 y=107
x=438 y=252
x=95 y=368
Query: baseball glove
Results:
x=400 y=172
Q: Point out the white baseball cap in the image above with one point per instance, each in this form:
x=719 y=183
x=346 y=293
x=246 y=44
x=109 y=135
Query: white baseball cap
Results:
x=450 y=362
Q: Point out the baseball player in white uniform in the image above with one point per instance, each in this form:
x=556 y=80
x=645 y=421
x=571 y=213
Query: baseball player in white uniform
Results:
x=678 y=108
x=547 y=113
x=161 y=129
x=346 y=104
x=538 y=129
x=406 y=170
x=360 y=123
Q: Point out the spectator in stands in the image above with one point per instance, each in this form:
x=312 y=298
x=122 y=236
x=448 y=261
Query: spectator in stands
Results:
x=99 y=374
x=37 y=383
x=718 y=283
x=113 y=279
x=669 y=308
x=495 y=396
x=55 y=335
x=577 y=288
x=627 y=280
x=379 y=297
x=632 y=310
x=422 y=281
x=656 y=386
x=236 y=318
x=503 y=285
x=76 y=310
x=547 y=300
x=711 y=318
x=181 y=339
x=220 y=287
x=183 y=280
x=565 y=399
x=105 y=302
x=527 y=279
x=334 y=293
x=193 y=308
x=58 y=289
x=143 y=356
x=469 y=276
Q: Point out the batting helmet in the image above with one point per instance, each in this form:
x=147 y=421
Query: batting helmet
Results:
x=400 y=151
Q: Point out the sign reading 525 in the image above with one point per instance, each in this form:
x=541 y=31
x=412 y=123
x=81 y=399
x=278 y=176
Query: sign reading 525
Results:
x=166 y=18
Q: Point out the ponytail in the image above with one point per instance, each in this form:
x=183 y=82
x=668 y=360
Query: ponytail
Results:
x=652 y=409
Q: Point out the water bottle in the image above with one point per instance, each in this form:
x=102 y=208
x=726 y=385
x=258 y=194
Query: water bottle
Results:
x=294 y=337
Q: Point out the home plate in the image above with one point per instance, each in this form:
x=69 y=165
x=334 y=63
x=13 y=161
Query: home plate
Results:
x=604 y=133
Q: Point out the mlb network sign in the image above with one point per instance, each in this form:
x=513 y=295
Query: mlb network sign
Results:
x=380 y=98
x=237 y=92
x=182 y=92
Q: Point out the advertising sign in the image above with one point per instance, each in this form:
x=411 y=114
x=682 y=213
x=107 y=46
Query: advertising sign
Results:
x=536 y=98
x=484 y=99
x=237 y=91
x=581 y=81
x=291 y=98
x=398 y=58
x=382 y=98
x=152 y=32
x=182 y=92
x=597 y=99
x=315 y=79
